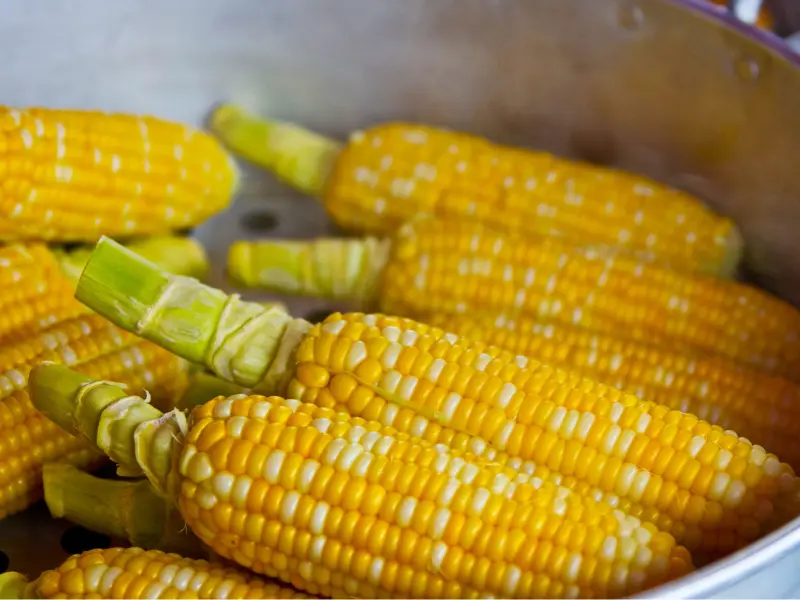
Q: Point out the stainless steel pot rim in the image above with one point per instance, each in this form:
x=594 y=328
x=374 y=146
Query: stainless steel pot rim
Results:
x=762 y=36
x=726 y=572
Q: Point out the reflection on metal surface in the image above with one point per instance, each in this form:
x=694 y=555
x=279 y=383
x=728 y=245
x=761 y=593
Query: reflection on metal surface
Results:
x=747 y=11
x=670 y=101
x=631 y=16
x=746 y=69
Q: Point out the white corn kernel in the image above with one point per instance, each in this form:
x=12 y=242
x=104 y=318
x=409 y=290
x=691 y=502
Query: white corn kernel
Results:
x=222 y=484
x=240 y=490
x=274 y=462
x=407 y=387
x=348 y=456
x=439 y=522
x=200 y=468
x=391 y=333
x=435 y=370
x=317 y=523
x=450 y=405
x=506 y=394
x=405 y=511
x=356 y=355
x=503 y=434
x=291 y=499
x=390 y=381
x=479 y=500
x=409 y=337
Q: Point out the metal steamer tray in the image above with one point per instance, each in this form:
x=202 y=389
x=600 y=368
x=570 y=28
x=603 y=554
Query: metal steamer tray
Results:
x=670 y=88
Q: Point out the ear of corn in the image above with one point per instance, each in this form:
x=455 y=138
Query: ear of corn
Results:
x=123 y=509
x=133 y=573
x=28 y=439
x=464 y=267
x=289 y=490
x=390 y=173
x=36 y=294
x=710 y=487
x=75 y=175
x=763 y=408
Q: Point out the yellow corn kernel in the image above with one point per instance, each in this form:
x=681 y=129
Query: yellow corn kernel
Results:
x=76 y=175
x=35 y=293
x=763 y=408
x=548 y=280
x=136 y=573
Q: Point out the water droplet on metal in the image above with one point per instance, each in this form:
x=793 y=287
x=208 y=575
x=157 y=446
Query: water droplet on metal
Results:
x=631 y=16
x=747 y=69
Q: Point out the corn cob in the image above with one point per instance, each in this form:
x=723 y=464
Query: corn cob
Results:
x=29 y=439
x=131 y=573
x=75 y=175
x=338 y=505
x=123 y=509
x=763 y=408
x=393 y=172
x=35 y=294
x=435 y=266
x=714 y=490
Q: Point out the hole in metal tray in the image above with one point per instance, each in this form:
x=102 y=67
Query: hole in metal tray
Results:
x=259 y=221
x=78 y=539
x=4 y=562
x=318 y=316
x=107 y=470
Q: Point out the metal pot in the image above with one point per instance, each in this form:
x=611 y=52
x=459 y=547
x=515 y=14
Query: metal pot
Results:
x=673 y=89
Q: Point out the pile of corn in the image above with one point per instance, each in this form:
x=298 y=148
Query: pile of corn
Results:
x=551 y=385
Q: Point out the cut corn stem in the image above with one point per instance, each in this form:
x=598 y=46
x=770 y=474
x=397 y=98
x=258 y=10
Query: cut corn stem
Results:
x=182 y=315
x=177 y=254
x=295 y=155
x=334 y=268
x=203 y=387
x=125 y=509
x=50 y=384
x=135 y=573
